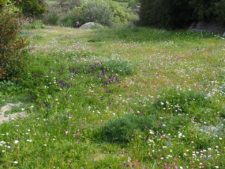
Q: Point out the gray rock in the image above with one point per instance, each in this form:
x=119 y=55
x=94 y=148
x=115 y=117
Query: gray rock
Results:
x=7 y=108
x=90 y=25
x=212 y=130
x=207 y=27
x=7 y=118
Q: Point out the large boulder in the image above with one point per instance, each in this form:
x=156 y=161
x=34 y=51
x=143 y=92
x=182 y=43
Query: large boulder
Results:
x=90 y=25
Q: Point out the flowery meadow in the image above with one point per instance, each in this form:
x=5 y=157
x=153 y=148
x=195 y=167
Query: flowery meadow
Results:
x=135 y=98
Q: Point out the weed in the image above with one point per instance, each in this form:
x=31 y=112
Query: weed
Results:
x=178 y=101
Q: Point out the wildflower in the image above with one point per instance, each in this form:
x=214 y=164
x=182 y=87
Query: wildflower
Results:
x=15 y=162
x=16 y=141
x=29 y=140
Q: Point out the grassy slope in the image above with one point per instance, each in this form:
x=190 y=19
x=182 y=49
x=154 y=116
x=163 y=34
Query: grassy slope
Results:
x=61 y=124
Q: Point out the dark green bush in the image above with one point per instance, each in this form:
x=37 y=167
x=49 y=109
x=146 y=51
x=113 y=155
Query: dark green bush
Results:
x=181 y=13
x=122 y=130
x=51 y=17
x=31 y=7
x=166 y=13
x=12 y=53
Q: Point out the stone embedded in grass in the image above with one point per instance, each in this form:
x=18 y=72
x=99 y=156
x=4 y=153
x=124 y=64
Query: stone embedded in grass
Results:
x=91 y=25
x=212 y=130
x=8 y=107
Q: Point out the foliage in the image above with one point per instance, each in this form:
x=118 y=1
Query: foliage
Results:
x=31 y=7
x=96 y=11
x=122 y=130
x=180 y=14
x=165 y=13
x=12 y=54
x=51 y=17
x=103 y=12
x=67 y=103
x=36 y=24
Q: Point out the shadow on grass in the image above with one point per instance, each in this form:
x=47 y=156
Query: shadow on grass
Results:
x=142 y=34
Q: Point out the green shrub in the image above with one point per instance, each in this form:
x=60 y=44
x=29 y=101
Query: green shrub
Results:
x=12 y=53
x=122 y=130
x=121 y=14
x=31 y=7
x=72 y=18
x=181 y=13
x=51 y=17
x=209 y=11
x=97 y=11
x=166 y=13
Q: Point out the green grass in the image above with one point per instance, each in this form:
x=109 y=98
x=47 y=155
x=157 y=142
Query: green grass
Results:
x=113 y=98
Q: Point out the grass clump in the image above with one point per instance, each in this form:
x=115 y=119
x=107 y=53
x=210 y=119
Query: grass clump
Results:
x=179 y=101
x=118 y=66
x=36 y=24
x=122 y=130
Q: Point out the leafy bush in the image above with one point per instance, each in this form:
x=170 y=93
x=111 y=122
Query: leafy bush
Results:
x=180 y=14
x=166 y=13
x=12 y=53
x=122 y=130
x=72 y=18
x=51 y=17
x=31 y=7
x=96 y=11
x=103 y=12
x=120 y=13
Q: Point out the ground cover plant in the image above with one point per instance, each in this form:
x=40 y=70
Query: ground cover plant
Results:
x=117 y=98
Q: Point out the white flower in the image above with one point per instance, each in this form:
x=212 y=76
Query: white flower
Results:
x=16 y=141
x=15 y=162
x=29 y=140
